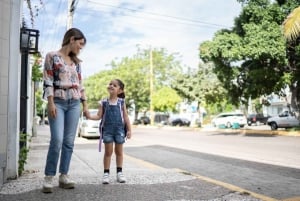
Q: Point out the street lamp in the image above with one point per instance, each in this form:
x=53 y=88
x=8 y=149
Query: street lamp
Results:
x=29 y=40
x=28 y=45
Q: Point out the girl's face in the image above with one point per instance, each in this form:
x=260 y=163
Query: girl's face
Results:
x=113 y=88
x=76 y=45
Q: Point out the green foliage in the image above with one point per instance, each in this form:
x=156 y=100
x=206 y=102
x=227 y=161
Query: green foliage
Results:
x=23 y=153
x=203 y=86
x=135 y=73
x=251 y=59
x=166 y=100
x=37 y=74
x=39 y=102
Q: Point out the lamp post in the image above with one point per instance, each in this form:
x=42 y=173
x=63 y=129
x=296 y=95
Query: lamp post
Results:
x=28 y=45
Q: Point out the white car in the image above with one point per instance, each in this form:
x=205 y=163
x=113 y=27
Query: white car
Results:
x=229 y=119
x=285 y=119
x=88 y=128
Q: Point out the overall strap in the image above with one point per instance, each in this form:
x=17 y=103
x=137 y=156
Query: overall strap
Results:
x=104 y=103
x=121 y=105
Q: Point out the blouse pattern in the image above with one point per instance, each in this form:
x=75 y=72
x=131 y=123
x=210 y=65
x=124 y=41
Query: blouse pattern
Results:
x=60 y=79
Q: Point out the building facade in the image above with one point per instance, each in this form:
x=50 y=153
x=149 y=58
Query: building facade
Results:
x=10 y=62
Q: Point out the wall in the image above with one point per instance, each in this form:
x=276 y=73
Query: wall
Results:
x=10 y=18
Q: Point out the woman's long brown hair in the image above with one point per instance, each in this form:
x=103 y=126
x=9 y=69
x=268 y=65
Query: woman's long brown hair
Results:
x=78 y=35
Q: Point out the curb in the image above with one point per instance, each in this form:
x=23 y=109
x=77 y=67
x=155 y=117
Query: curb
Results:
x=244 y=131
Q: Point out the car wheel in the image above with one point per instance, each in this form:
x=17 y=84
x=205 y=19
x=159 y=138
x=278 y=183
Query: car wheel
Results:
x=273 y=126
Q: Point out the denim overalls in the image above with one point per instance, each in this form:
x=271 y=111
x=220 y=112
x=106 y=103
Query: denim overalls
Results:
x=113 y=125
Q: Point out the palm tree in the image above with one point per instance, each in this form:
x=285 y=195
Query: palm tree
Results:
x=291 y=31
x=291 y=25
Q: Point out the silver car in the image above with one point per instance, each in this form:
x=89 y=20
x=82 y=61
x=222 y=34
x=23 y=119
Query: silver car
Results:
x=88 y=128
x=229 y=119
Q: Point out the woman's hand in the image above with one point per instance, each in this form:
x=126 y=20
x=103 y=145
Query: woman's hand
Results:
x=86 y=113
x=51 y=110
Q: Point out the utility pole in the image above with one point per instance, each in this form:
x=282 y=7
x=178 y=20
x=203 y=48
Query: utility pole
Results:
x=71 y=8
x=151 y=88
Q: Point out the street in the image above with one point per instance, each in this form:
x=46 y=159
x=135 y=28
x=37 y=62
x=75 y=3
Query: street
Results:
x=173 y=163
x=203 y=154
x=261 y=163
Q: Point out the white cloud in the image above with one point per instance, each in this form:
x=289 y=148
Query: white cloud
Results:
x=113 y=28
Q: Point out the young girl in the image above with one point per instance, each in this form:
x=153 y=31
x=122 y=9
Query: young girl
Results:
x=112 y=111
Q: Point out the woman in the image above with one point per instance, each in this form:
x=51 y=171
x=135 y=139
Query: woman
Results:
x=64 y=91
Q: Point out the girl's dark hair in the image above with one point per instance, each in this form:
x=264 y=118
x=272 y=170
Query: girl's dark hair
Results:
x=122 y=86
x=78 y=35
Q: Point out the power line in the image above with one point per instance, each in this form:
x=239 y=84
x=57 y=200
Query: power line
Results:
x=85 y=12
x=158 y=14
x=50 y=26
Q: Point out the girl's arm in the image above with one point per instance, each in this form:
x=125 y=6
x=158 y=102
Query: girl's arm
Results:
x=97 y=116
x=127 y=122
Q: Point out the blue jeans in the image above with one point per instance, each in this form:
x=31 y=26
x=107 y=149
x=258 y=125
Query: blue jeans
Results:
x=63 y=132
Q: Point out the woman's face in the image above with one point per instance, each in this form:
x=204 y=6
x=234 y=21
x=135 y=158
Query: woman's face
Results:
x=77 y=45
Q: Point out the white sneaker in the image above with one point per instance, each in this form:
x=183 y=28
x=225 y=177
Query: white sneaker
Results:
x=121 y=177
x=65 y=182
x=105 y=178
x=47 y=185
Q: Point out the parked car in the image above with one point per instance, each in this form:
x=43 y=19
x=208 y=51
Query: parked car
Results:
x=88 y=128
x=285 y=119
x=179 y=121
x=257 y=119
x=228 y=119
x=143 y=120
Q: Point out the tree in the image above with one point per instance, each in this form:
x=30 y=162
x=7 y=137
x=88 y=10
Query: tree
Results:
x=202 y=85
x=135 y=73
x=291 y=25
x=166 y=100
x=251 y=58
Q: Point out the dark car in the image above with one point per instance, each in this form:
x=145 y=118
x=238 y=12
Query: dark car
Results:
x=179 y=121
x=143 y=120
x=257 y=119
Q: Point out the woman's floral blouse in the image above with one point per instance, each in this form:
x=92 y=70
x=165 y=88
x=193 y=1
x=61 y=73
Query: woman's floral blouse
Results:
x=60 y=79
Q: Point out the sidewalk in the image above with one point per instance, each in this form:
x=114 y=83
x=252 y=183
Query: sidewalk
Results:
x=145 y=181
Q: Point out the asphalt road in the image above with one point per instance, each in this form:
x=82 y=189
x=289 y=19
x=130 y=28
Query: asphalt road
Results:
x=173 y=164
x=264 y=164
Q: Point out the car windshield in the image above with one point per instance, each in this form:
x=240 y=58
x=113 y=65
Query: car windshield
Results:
x=230 y=115
x=92 y=113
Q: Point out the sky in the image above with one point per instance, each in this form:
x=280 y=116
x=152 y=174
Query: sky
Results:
x=114 y=28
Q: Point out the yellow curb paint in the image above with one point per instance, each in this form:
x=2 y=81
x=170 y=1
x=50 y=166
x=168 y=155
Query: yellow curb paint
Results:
x=229 y=186
x=286 y=133
x=144 y=163
x=292 y=199
x=210 y=180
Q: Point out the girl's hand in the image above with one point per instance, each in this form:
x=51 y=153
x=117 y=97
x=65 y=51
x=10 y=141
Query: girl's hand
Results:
x=128 y=135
